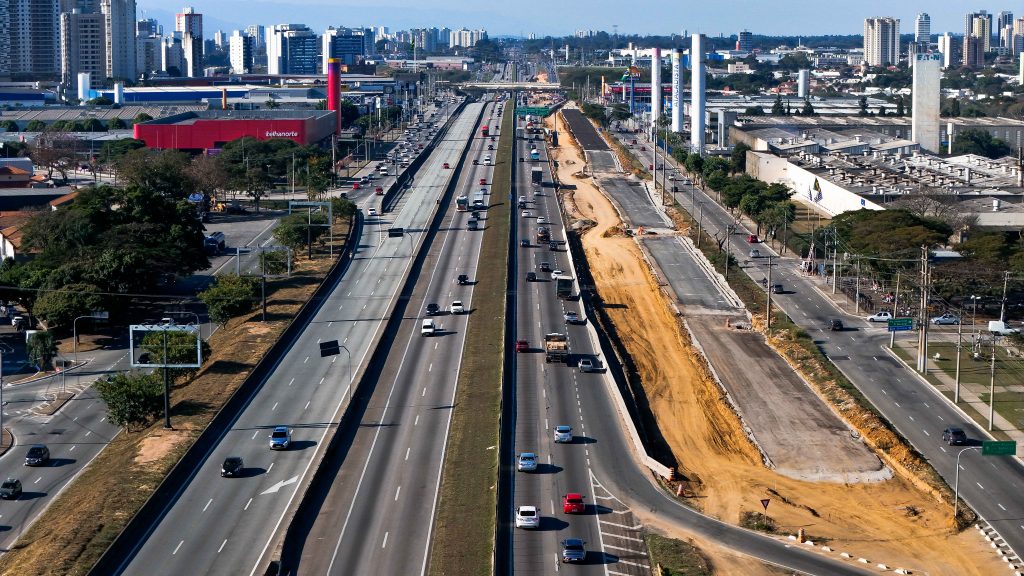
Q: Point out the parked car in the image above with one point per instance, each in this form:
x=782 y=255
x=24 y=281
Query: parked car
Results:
x=946 y=319
x=573 y=550
x=38 y=455
x=280 y=438
x=883 y=316
x=10 y=489
x=232 y=466
x=527 y=517
x=954 y=436
x=522 y=345
x=572 y=503
x=563 y=434
x=835 y=325
x=527 y=462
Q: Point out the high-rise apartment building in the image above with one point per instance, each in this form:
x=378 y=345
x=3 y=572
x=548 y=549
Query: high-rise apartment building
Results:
x=240 y=52
x=979 y=25
x=148 y=27
x=258 y=34
x=148 y=57
x=1003 y=19
x=949 y=47
x=34 y=37
x=83 y=46
x=5 y=40
x=466 y=38
x=1017 y=44
x=188 y=20
x=974 y=52
x=219 y=39
x=292 y=49
x=189 y=24
x=172 y=57
x=882 y=41
x=120 y=38
x=745 y=42
x=923 y=28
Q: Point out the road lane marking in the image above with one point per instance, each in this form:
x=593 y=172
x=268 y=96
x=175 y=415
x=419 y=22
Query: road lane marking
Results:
x=926 y=433
x=322 y=380
x=424 y=392
x=254 y=434
x=37 y=480
x=979 y=485
x=911 y=417
x=72 y=449
x=385 y=543
x=897 y=404
x=307 y=405
x=431 y=367
x=176 y=548
x=222 y=545
x=247 y=504
x=306 y=360
x=407 y=450
x=291 y=382
x=417 y=421
x=275 y=406
x=89 y=432
x=1001 y=506
x=271 y=467
x=397 y=492
x=208 y=502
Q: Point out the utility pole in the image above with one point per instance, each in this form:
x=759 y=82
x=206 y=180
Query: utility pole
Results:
x=856 y=300
x=1002 y=307
x=922 y=337
x=992 y=387
x=768 y=306
x=895 y=310
x=959 y=342
x=728 y=233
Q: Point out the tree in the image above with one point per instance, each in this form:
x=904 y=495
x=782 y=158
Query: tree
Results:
x=808 y=109
x=230 y=296
x=754 y=111
x=160 y=171
x=343 y=208
x=55 y=151
x=349 y=112
x=207 y=174
x=863 y=105
x=117 y=124
x=100 y=101
x=900 y=108
x=132 y=399
x=257 y=184
x=113 y=150
x=881 y=110
x=42 y=349
x=180 y=347
x=35 y=126
x=694 y=164
x=738 y=158
x=778 y=109
x=981 y=142
x=61 y=307
x=318 y=176
x=271 y=104
x=141 y=117
x=296 y=231
x=891 y=234
x=9 y=126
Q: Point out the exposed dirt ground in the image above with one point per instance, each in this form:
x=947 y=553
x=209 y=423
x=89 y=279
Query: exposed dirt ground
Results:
x=889 y=522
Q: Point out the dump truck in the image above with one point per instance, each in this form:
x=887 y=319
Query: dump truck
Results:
x=537 y=175
x=556 y=348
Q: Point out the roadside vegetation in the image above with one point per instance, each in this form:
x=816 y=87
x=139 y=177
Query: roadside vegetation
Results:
x=671 y=557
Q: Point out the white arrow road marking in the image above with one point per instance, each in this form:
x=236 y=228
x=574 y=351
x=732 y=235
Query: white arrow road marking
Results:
x=273 y=489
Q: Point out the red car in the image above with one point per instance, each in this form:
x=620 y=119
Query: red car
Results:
x=572 y=503
x=522 y=346
x=483 y=181
x=752 y=239
x=446 y=166
x=355 y=185
x=379 y=190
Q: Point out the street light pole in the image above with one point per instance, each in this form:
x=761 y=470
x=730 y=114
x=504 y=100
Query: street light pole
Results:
x=956 y=482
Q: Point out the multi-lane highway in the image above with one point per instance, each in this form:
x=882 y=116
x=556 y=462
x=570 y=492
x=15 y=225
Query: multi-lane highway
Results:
x=225 y=525
x=377 y=513
x=990 y=485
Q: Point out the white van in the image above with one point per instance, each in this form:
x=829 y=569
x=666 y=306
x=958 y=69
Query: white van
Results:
x=428 y=328
x=487 y=160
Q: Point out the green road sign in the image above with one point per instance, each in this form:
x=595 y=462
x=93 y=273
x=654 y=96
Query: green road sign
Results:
x=532 y=111
x=901 y=324
x=994 y=448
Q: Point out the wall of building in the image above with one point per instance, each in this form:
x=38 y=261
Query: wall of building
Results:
x=825 y=196
x=203 y=134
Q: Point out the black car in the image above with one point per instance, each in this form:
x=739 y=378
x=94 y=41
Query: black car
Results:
x=232 y=466
x=10 y=489
x=835 y=325
x=38 y=455
x=531 y=276
x=954 y=436
x=433 y=309
x=524 y=243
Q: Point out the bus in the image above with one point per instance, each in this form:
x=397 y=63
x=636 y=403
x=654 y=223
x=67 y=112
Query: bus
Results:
x=462 y=204
x=478 y=200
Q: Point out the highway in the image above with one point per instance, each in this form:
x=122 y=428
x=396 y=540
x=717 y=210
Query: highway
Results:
x=225 y=525
x=377 y=513
x=990 y=485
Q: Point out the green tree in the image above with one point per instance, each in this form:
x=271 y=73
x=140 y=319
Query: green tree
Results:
x=160 y=171
x=349 y=113
x=132 y=399
x=231 y=295
x=100 y=101
x=116 y=124
x=41 y=349
x=889 y=234
x=808 y=109
x=61 y=307
x=9 y=126
x=981 y=142
x=35 y=126
x=257 y=184
x=271 y=104
x=778 y=108
x=901 y=109
x=113 y=150
x=714 y=164
x=274 y=262
x=141 y=117
x=754 y=111
x=318 y=176
x=738 y=158
x=863 y=102
x=342 y=208
x=297 y=231
x=695 y=164
x=180 y=346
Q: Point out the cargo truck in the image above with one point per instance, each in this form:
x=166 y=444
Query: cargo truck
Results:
x=563 y=286
x=556 y=348
x=537 y=175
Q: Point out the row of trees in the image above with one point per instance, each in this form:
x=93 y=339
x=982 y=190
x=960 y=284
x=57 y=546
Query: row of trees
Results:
x=83 y=125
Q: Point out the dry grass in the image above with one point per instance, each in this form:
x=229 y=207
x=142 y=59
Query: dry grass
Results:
x=82 y=522
x=464 y=528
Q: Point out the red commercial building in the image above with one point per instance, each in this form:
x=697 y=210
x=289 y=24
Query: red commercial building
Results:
x=211 y=129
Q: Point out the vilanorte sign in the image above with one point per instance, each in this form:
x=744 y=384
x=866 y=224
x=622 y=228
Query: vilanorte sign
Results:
x=276 y=134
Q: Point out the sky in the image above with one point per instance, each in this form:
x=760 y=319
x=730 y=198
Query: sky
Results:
x=563 y=17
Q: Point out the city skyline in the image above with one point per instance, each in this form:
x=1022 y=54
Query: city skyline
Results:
x=564 y=18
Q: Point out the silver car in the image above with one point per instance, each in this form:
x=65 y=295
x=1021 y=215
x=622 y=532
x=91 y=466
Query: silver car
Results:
x=280 y=438
x=573 y=550
x=527 y=462
x=563 y=434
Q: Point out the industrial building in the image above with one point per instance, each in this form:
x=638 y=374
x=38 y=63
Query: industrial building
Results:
x=207 y=130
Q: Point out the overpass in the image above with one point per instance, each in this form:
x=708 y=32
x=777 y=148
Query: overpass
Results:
x=531 y=86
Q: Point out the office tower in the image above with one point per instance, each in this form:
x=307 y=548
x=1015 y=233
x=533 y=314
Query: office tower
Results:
x=745 y=41
x=949 y=46
x=120 y=38
x=974 y=52
x=292 y=49
x=923 y=28
x=697 y=80
x=882 y=41
x=924 y=123
x=172 y=57
x=1003 y=19
x=240 y=52
x=258 y=34
x=677 y=91
x=148 y=27
x=1017 y=37
x=348 y=46
x=979 y=25
x=83 y=46
x=34 y=37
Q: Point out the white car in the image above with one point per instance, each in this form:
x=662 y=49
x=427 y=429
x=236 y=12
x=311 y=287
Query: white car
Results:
x=556 y=273
x=571 y=317
x=542 y=220
x=527 y=462
x=458 y=308
x=563 y=434
x=525 y=214
x=371 y=212
x=883 y=316
x=527 y=517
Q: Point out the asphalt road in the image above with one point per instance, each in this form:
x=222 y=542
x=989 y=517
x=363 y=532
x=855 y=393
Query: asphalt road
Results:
x=633 y=202
x=583 y=131
x=378 y=512
x=990 y=485
x=224 y=525
x=694 y=289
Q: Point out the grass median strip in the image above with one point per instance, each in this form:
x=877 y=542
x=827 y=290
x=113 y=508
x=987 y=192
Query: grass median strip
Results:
x=463 y=541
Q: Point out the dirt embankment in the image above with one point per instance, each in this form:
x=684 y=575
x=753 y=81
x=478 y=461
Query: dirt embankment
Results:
x=892 y=522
